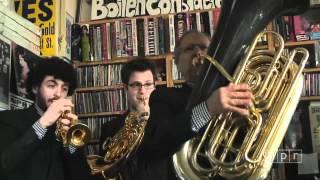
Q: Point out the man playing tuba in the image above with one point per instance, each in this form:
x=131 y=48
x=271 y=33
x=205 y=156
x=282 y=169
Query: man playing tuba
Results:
x=169 y=125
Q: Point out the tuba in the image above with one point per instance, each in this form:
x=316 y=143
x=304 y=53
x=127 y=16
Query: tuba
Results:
x=120 y=148
x=232 y=146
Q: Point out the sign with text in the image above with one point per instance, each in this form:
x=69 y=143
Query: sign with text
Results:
x=45 y=14
x=132 y=8
x=288 y=156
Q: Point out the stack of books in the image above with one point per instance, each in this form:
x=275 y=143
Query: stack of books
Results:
x=19 y=30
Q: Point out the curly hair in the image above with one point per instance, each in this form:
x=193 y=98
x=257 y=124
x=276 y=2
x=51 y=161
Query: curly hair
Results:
x=52 y=66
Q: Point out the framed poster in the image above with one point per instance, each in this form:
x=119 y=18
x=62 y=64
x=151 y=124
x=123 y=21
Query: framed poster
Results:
x=23 y=61
x=5 y=67
x=69 y=22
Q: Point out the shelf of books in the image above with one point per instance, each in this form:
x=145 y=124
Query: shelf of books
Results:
x=105 y=45
x=302 y=135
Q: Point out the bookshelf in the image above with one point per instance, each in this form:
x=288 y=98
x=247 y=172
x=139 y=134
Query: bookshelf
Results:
x=297 y=34
x=167 y=60
x=108 y=35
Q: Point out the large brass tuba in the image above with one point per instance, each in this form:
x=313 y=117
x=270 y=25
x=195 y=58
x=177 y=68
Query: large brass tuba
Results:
x=244 y=147
x=236 y=147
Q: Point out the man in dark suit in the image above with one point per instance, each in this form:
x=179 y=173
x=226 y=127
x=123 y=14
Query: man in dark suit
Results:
x=29 y=149
x=169 y=125
x=138 y=77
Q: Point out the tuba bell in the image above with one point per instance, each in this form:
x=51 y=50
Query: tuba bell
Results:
x=232 y=146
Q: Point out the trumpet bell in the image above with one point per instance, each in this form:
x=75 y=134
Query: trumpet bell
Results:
x=78 y=135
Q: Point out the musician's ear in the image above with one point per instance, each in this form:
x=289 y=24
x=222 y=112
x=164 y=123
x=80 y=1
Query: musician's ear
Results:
x=35 y=89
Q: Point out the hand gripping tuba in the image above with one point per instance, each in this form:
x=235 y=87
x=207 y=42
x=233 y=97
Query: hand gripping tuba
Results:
x=238 y=147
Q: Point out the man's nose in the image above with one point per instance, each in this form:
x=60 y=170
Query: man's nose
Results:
x=58 y=92
x=142 y=89
x=198 y=50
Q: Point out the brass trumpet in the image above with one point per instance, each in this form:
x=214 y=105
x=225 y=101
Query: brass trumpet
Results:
x=78 y=134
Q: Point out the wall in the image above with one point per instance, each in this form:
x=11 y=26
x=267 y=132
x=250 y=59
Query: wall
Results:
x=71 y=7
x=85 y=9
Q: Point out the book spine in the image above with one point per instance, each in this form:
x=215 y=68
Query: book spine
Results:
x=156 y=35
x=117 y=38
x=104 y=42
x=211 y=22
x=134 y=37
x=146 y=36
x=141 y=38
x=172 y=33
x=161 y=35
x=109 y=41
x=128 y=31
x=99 y=43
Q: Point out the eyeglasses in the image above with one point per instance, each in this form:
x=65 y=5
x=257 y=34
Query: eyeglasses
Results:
x=138 y=86
x=191 y=47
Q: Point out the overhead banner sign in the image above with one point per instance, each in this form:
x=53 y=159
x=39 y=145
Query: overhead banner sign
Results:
x=132 y=8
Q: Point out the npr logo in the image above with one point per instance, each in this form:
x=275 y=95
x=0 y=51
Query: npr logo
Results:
x=288 y=156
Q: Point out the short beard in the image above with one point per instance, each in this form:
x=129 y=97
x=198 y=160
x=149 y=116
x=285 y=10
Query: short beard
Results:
x=41 y=103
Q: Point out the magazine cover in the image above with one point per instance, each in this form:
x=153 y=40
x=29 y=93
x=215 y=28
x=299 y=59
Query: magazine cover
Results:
x=23 y=61
x=69 y=22
x=18 y=102
x=5 y=57
x=314 y=114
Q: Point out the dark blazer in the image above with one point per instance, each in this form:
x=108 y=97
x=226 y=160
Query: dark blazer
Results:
x=167 y=129
x=24 y=156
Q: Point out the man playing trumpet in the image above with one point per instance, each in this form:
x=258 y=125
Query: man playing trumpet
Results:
x=29 y=149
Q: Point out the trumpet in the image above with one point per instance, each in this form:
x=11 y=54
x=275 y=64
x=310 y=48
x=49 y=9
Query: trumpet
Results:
x=77 y=135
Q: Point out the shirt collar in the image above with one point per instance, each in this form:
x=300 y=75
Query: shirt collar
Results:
x=39 y=110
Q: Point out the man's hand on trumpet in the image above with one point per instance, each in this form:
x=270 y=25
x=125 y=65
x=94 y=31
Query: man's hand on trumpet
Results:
x=57 y=108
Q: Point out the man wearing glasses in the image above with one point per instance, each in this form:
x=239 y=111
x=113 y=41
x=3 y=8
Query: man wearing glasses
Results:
x=170 y=125
x=138 y=77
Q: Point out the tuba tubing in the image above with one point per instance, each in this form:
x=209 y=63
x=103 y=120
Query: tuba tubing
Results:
x=278 y=76
x=233 y=36
x=246 y=158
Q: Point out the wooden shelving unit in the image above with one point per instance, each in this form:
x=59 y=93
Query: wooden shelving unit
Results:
x=310 y=98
